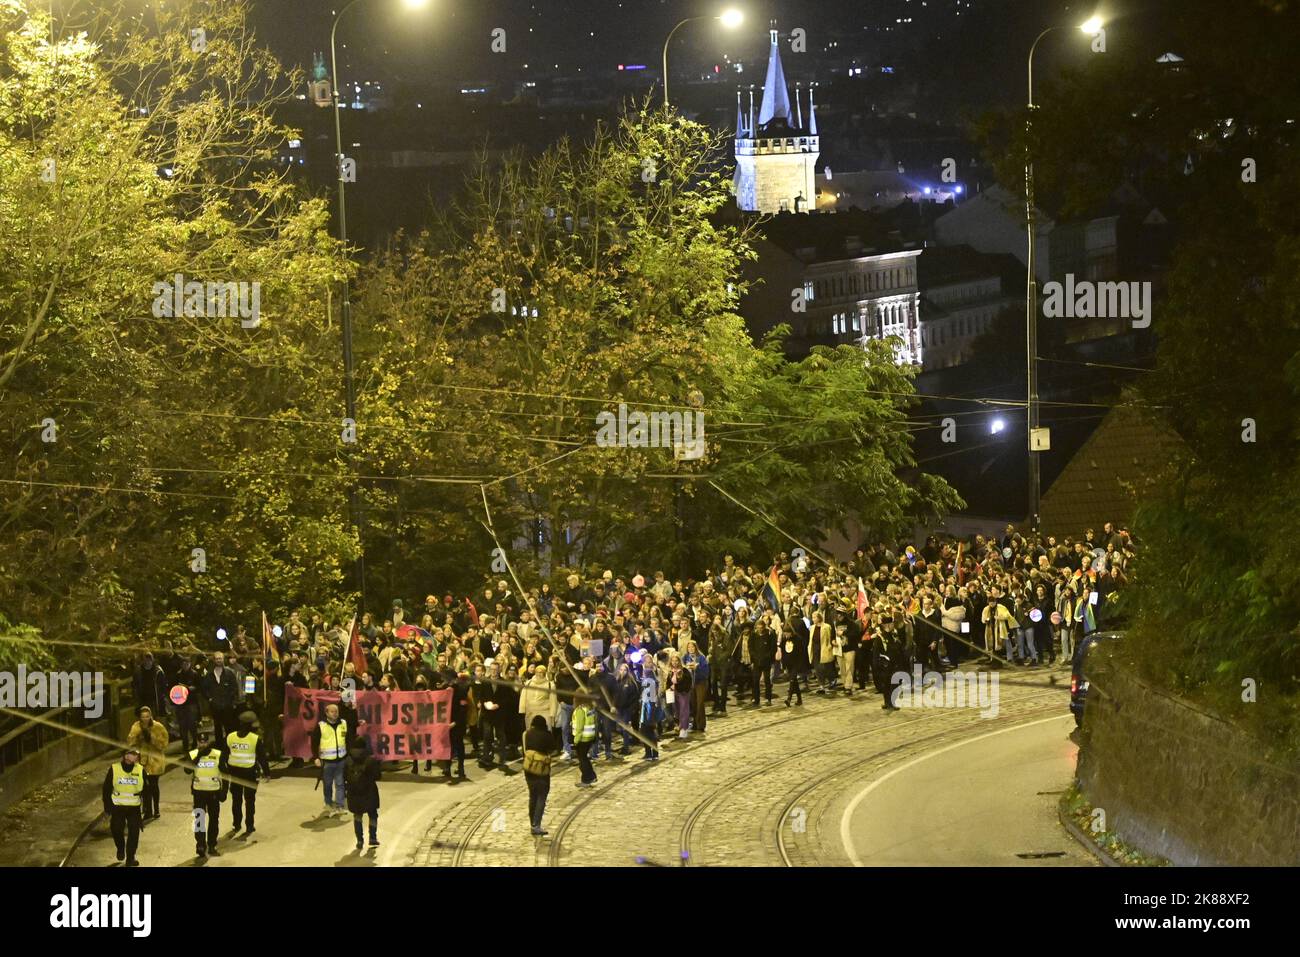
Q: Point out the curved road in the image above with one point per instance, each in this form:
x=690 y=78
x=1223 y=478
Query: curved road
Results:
x=835 y=782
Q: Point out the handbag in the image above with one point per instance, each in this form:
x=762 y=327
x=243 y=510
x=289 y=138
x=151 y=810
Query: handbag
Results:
x=670 y=696
x=537 y=763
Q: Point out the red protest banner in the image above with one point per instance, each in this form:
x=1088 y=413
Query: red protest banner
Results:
x=399 y=725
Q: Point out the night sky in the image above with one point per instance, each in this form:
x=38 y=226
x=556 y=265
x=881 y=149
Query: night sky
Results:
x=450 y=39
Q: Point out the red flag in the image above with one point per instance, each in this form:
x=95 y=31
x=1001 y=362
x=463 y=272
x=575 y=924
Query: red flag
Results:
x=355 y=654
x=270 y=650
x=473 y=612
x=961 y=575
x=862 y=602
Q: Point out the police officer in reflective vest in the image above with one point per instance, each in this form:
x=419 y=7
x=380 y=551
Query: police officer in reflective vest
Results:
x=122 y=795
x=245 y=757
x=208 y=789
x=329 y=742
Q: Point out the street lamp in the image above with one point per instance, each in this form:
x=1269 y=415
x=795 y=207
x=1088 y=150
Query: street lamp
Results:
x=731 y=19
x=349 y=377
x=1092 y=26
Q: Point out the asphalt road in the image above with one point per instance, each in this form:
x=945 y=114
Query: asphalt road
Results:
x=836 y=782
x=988 y=800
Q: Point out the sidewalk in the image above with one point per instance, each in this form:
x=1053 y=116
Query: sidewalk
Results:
x=291 y=829
x=41 y=828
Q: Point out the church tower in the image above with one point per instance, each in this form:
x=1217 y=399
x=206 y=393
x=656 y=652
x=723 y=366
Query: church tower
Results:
x=776 y=155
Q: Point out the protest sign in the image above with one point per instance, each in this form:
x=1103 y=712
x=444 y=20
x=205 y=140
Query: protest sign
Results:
x=398 y=725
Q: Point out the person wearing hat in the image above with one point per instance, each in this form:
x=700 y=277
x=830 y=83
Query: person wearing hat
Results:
x=207 y=789
x=244 y=758
x=122 y=794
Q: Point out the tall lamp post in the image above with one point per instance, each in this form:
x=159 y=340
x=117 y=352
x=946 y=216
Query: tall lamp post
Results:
x=1090 y=27
x=729 y=18
x=349 y=375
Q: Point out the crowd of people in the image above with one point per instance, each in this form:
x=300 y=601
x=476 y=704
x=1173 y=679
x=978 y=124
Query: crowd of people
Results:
x=596 y=667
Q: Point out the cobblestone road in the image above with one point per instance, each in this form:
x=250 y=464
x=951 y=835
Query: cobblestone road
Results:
x=759 y=789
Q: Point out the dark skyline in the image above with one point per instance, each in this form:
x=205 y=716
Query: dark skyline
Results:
x=977 y=46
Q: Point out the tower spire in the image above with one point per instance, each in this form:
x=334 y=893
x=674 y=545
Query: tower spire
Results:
x=752 y=129
x=798 y=105
x=740 y=116
x=812 y=111
x=776 y=94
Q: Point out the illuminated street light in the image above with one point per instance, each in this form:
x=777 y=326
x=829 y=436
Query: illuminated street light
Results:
x=730 y=18
x=1091 y=26
x=345 y=306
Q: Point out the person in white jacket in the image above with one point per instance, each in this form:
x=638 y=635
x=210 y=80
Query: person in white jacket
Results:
x=538 y=699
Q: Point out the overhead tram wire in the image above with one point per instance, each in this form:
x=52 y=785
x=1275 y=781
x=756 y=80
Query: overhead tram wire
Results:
x=564 y=658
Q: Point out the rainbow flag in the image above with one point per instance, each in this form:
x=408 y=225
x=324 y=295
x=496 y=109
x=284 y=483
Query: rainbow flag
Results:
x=270 y=651
x=772 y=591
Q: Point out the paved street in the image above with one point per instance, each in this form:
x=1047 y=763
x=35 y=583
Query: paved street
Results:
x=766 y=786
x=1004 y=813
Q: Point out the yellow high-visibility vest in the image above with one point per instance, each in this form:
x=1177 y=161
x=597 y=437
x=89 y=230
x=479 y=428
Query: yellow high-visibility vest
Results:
x=584 y=724
x=333 y=741
x=243 y=749
x=127 y=785
x=207 y=776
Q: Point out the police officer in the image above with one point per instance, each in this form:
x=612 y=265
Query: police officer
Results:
x=208 y=790
x=123 y=793
x=244 y=758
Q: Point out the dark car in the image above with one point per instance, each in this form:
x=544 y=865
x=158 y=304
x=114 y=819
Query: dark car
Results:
x=1078 y=682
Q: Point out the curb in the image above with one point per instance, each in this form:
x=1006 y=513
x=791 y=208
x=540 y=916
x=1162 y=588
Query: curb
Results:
x=1082 y=838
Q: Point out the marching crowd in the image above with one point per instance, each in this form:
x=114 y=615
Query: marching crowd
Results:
x=597 y=667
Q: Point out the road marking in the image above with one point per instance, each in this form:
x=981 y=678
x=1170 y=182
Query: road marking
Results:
x=845 y=835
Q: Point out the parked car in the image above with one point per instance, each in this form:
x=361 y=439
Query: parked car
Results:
x=1078 y=679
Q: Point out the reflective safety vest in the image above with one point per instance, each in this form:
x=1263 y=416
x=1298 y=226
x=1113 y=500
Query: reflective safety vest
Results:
x=243 y=749
x=333 y=741
x=584 y=724
x=127 y=785
x=207 y=777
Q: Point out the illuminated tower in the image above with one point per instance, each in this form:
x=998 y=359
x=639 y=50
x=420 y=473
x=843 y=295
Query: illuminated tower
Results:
x=776 y=159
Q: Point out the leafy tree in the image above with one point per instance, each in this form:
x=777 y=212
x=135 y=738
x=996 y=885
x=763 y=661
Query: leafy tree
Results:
x=619 y=282
x=1211 y=139
x=161 y=434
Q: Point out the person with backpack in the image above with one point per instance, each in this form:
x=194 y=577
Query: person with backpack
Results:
x=539 y=745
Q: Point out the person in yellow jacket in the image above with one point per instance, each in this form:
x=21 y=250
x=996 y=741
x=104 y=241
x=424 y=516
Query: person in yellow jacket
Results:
x=208 y=789
x=243 y=762
x=123 y=793
x=150 y=737
x=329 y=743
x=584 y=734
